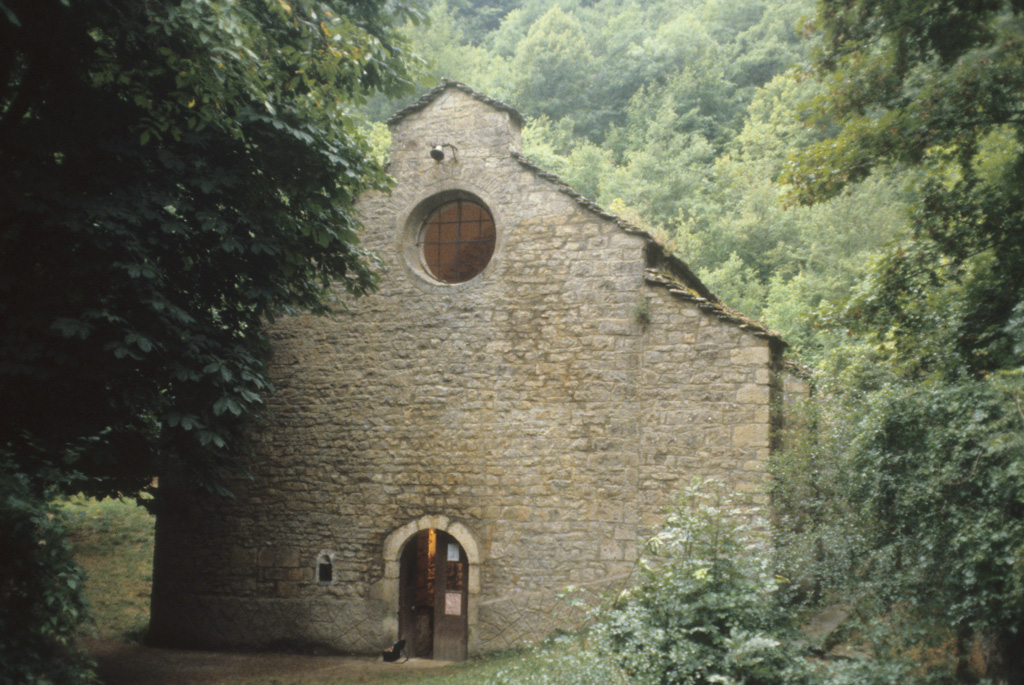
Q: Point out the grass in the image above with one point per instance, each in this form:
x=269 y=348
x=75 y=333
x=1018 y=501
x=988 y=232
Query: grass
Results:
x=113 y=541
x=556 y=662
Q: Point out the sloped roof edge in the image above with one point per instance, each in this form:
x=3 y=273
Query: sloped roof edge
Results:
x=666 y=270
x=445 y=84
x=714 y=308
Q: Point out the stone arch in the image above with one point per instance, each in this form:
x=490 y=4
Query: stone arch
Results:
x=393 y=546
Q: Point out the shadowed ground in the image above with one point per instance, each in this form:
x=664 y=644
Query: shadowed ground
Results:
x=125 y=664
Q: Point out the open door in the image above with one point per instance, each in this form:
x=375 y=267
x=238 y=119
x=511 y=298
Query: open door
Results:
x=450 y=615
x=433 y=593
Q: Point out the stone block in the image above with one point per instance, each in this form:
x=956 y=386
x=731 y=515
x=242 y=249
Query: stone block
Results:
x=611 y=551
x=745 y=356
x=750 y=435
x=279 y=557
x=242 y=557
x=753 y=394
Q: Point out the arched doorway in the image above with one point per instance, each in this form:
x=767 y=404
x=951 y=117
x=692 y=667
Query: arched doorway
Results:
x=433 y=596
x=407 y=559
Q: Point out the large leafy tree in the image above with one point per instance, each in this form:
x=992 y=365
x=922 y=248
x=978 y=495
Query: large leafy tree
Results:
x=929 y=360
x=551 y=66
x=172 y=173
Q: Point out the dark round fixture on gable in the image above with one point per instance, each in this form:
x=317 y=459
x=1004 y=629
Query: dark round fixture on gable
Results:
x=437 y=152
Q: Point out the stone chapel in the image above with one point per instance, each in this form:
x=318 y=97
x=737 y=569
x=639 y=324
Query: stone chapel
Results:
x=534 y=380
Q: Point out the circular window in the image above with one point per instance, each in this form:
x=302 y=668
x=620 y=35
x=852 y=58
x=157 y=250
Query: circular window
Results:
x=456 y=241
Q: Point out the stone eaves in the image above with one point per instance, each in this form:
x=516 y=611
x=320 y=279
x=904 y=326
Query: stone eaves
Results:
x=665 y=269
x=716 y=308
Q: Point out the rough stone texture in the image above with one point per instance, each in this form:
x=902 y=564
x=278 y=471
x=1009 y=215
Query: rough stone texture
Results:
x=542 y=413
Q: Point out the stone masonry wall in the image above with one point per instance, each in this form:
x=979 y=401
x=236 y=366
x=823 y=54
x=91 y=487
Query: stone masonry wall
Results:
x=533 y=406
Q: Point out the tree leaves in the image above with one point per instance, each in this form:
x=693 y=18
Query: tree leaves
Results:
x=177 y=173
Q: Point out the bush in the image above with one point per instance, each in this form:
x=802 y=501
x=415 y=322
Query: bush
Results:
x=904 y=503
x=705 y=610
x=41 y=603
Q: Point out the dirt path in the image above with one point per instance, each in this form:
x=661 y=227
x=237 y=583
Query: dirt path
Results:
x=124 y=664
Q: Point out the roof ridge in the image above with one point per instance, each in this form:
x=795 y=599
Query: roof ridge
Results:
x=444 y=85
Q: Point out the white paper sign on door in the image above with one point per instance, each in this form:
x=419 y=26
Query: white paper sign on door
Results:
x=453 y=603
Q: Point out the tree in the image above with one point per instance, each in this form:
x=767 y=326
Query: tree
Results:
x=40 y=588
x=551 y=66
x=172 y=175
x=926 y=84
x=929 y=367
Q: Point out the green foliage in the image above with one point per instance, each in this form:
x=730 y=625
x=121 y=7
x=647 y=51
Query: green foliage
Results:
x=666 y=164
x=923 y=382
x=482 y=16
x=736 y=284
x=41 y=600
x=932 y=88
x=906 y=496
x=171 y=175
x=448 y=45
x=907 y=499
x=906 y=79
x=552 y=65
x=704 y=610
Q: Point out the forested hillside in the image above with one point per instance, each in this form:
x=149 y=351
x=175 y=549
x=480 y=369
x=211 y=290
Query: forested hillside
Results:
x=678 y=115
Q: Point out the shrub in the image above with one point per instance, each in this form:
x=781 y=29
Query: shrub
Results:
x=41 y=604
x=705 y=609
x=905 y=504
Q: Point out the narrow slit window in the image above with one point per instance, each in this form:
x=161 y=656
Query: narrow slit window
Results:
x=325 y=569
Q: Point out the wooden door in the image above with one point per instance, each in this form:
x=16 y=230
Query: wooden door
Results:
x=416 y=595
x=450 y=597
